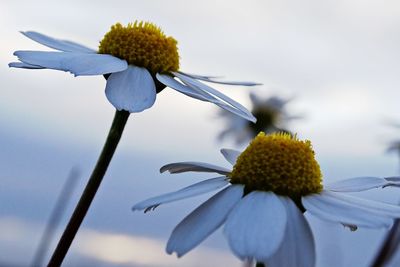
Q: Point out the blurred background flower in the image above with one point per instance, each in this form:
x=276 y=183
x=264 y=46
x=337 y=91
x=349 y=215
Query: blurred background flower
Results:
x=271 y=115
x=394 y=145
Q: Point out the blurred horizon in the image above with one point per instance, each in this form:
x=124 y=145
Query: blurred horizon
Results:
x=338 y=59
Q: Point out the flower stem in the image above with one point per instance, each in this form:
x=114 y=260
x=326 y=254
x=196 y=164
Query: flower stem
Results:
x=389 y=246
x=91 y=188
x=55 y=217
x=260 y=264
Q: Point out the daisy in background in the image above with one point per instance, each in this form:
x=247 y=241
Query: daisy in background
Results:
x=138 y=61
x=271 y=117
x=264 y=195
x=394 y=146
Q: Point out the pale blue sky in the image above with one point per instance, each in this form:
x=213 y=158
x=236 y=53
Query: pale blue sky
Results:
x=340 y=59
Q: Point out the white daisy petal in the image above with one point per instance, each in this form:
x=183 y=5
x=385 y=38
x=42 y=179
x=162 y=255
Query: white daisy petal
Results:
x=22 y=65
x=333 y=210
x=132 y=90
x=60 y=45
x=298 y=247
x=76 y=63
x=197 y=76
x=201 y=95
x=174 y=84
x=256 y=226
x=230 y=155
x=357 y=184
x=376 y=207
x=204 y=220
x=212 y=80
x=191 y=166
x=393 y=181
x=196 y=84
x=241 y=113
x=190 y=191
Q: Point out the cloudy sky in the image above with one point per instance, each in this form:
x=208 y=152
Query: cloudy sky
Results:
x=339 y=59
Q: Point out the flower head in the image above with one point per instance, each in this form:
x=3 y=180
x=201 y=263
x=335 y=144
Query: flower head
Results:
x=142 y=44
x=394 y=146
x=272 y=182
x=138 y=60
x=271 y=117
x=279 y=163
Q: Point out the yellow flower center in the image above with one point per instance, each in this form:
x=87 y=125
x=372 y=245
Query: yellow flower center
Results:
x=142 y=44
x=279 y=163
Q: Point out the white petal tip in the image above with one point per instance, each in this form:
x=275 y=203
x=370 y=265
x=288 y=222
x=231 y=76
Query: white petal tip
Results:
x=136 y=208
x=171 y=251
x=145 y=209
x=163 y=169
x=254 y=84
x=22 y=65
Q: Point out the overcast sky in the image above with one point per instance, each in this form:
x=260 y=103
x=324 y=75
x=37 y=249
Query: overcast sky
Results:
x=339 y=59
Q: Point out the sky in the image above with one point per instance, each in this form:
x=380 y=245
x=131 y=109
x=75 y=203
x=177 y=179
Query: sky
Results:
x=338 y=59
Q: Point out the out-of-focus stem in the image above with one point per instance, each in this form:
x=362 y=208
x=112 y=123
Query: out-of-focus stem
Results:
x=55 y=217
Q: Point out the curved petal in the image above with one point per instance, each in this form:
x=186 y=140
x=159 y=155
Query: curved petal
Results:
x=239 y=112
x=230 y=155
x=132 y=90
x=22 y=65
x=190 y=191
x=333 y=210
x=357 y=184
x=197 y=76
x=186 y=90
x=76 y=63
x=231 y=105
x=202 y=95
x=380 y=208
x=393 y=181
x=191 y=166
x=61 y=45
x=298 y=246
x=203 y=221
x=256 y=226
x=211 y=79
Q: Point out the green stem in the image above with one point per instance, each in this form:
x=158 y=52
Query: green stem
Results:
x=260 y=264
x=389 y=246
x=92 y=186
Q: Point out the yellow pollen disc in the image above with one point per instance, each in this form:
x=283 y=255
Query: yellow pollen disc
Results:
x=142 y=44
x=279 y=163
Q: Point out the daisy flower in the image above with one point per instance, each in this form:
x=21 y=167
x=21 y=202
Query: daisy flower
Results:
x=271 y=117
x=272 y=183
x=394 y=146
x=138 y=60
